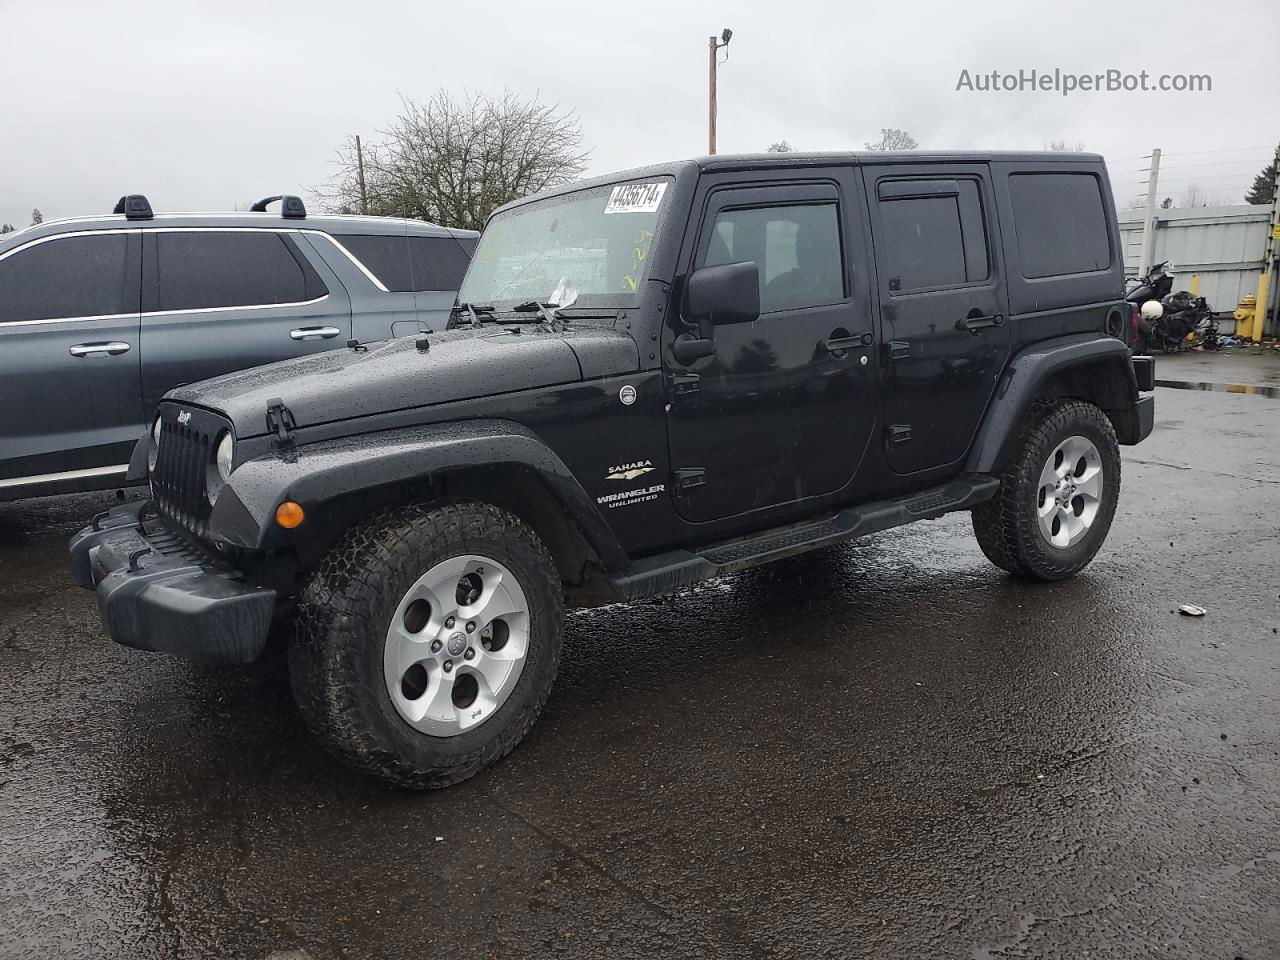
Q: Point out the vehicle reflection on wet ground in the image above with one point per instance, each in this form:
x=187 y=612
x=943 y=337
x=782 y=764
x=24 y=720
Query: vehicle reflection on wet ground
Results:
x=887 y=749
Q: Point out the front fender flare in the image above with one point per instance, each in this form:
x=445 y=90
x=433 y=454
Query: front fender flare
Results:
x=1023 y=380
x=317 y=473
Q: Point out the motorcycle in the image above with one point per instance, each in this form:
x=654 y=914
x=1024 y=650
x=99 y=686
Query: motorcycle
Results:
x=1164 y=319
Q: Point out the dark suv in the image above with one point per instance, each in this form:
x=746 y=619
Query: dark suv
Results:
x=650 y=379
x=100 y=317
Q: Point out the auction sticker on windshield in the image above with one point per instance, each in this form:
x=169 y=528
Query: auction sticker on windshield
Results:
x=635 y=198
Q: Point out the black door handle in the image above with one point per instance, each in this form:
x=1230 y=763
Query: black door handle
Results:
x=974 y=324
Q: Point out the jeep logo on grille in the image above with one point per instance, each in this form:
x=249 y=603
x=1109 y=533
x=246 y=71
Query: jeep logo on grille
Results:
x=184 y=418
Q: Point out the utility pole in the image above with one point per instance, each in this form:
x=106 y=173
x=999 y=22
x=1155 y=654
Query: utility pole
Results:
x=1267 y=294
x=1149 y=218
x=364 y=197
x=713 y=46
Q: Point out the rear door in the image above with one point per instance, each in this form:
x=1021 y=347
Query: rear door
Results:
x=70 y=403
x=943 y=307
x=218 y=300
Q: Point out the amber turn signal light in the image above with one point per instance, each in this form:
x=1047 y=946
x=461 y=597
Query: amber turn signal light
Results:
x=289 y=515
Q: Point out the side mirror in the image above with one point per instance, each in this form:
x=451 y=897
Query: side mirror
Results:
x=729 y=293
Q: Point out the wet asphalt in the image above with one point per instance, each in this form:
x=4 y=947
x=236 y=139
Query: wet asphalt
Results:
x=888 y=749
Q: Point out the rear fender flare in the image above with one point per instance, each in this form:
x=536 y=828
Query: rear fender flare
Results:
x=1029 y=376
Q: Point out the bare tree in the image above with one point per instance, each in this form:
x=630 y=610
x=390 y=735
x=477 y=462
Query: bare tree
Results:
x=780 y=146
x=452 y=161
x=1197 y=196
x=893 y=139
x=1061 y=146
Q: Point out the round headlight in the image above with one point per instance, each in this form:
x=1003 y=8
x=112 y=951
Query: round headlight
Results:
x=225 y=456
x=220 y=470
x=153 y=454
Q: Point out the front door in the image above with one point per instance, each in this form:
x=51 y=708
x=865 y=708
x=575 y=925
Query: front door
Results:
x=942 y=307
x=70 y=404
x=782 y=411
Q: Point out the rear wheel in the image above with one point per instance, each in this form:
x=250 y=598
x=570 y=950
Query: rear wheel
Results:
x=428 y=642
x=1058 y=495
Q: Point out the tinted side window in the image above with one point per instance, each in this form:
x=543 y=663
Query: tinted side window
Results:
x=385 y=256
x=438 y=263
x=1061 y=223
x=410 y=263
x=929 y=242
x=923 y=245
x=796 y=248
x=67 y=277
x=206 y=269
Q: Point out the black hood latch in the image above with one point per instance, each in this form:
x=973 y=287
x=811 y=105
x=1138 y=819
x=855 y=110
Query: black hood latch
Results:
x=280 y=423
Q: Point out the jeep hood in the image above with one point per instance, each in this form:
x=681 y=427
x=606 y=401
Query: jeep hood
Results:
x=396 y=375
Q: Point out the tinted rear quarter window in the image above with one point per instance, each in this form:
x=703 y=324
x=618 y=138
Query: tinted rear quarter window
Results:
x=408 y=263
x=1060 y=222
x=202 y=270
x=67 y=277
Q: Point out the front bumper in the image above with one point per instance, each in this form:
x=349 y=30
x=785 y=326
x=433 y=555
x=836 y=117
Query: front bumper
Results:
x=157 y=592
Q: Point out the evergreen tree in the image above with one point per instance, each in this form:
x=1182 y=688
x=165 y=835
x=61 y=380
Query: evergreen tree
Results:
x=1263 y=184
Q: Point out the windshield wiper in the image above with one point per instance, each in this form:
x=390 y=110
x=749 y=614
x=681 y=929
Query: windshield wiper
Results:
x=550 y=313
x=473 y=312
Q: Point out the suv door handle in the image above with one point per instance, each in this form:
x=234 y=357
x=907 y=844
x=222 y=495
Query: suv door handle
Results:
x=111 y=349
x=841 y=344
x=314 y=333
x=974 y=324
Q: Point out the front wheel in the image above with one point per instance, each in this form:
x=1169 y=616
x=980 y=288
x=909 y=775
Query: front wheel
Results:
x=428 y=642
x=1058 y=495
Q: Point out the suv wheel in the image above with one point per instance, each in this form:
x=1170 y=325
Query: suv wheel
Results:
x=428 y=642
x=1058 y=495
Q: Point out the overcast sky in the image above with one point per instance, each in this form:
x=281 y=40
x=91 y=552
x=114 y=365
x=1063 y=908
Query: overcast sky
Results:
x=205 y=106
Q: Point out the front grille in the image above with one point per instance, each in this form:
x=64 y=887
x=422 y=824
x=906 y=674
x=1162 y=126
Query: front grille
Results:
x=182 y=469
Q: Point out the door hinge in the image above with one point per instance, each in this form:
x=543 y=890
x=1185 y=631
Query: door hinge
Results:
x=687 y=478
x=683 y=384
x=280 y=423
x=897 y=434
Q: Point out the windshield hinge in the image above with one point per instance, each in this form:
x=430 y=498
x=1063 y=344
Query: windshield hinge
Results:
x=689 y=478
x=280 y=423
x=683 y=384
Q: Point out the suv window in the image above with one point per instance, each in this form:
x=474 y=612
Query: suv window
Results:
x=403 y=264
x=796 y=248
x=1060 y=222
x=67 y=277
x=929 y=242
x=202 y=270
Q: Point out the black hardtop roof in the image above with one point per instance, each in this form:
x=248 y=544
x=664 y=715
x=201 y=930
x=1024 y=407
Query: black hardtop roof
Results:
x=753 y=161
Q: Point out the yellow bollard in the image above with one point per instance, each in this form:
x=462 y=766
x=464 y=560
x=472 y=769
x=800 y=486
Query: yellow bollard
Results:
x=1195 y=284
x=1260 y=311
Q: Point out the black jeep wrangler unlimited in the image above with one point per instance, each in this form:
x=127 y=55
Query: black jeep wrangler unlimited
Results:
x=649 y=379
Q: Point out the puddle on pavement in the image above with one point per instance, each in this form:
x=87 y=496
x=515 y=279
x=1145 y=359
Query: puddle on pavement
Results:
x=1249 y=388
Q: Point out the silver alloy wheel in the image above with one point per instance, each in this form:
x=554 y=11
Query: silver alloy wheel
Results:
x=1070 y=491
x=456 y=645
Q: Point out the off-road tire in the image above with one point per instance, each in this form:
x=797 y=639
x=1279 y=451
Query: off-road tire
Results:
x=1006 y=526
x=336 y=654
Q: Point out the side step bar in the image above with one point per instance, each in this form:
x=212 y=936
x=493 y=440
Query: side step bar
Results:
x=679 y=568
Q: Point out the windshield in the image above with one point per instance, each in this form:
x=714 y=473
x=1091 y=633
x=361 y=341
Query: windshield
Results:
x=593 y=243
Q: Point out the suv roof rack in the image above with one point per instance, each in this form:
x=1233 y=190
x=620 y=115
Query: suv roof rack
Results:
x=291 y=208
x=134 y=207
